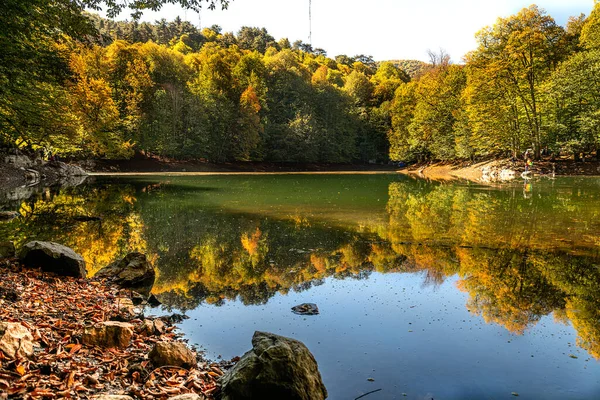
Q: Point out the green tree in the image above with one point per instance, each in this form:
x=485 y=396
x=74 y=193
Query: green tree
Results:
x=402 y=113
x=255 y=39
x=513 y=58
x=438 y=103
x=590 y=31
x=359 y=87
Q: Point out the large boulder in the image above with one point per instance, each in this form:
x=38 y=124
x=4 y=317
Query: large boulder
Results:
x=132 y=272
x=172 y=353
x=276 y=368
x=108 y=334
x=53 y=257
x=18 y=161
x=66 y=170
x=15 y=340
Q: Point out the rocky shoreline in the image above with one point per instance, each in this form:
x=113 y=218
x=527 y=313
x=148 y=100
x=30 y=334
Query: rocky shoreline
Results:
x=70 y=337
x=22 y=174
x=63 y=335
x=501 y=170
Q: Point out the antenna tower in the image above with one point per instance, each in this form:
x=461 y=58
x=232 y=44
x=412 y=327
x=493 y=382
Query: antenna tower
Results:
x=310 y=22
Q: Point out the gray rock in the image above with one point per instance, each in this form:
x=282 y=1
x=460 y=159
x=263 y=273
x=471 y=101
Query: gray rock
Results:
x=15 y=340
x=53 y=257
x=172 y=353
x=306 y=309
x=133 y=272
x=276 y=368
x=8 y=215
x=19 y=193
x=18 y=161
x=32 y=176
x=66 y=170
x=108 y=334
x=7 y=249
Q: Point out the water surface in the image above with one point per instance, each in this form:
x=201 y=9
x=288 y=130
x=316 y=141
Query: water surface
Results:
x=445 y=291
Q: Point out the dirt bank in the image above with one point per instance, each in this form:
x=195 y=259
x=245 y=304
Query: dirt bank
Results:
x=158 y=165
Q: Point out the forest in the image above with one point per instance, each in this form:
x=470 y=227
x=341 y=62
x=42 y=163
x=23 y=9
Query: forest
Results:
x=78 y=85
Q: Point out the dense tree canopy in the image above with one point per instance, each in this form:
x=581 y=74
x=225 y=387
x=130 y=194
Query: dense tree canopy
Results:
x=82 y=85
x=529 y=84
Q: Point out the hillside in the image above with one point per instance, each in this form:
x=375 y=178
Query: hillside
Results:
x=412 y=67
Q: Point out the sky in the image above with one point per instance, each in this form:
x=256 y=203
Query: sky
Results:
x=384 y=29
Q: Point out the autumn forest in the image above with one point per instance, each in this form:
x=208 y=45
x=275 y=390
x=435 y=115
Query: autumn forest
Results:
x=87 y=87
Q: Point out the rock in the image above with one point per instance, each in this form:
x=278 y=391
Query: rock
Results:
x=137 y=298
x=111 y=397
x=276 y=368
x=146 y=328
x=66 y=170
x=306 y=309
x=133 y=272
x=18 y=193
x=7 y=249
x=172 y=353
x=174 y=318
x=159 y=326
x=18 y=161
x=188 y=396
x=152 y=327
x=108 y=334
x=127 y=307
x=8 y=215
x=53 y=257
x=153 y=301
x=15 y=340
x=32 y=176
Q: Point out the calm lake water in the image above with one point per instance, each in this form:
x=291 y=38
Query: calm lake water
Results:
x=443 y=291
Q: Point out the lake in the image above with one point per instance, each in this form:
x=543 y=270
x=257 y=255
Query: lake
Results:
x=431 y=290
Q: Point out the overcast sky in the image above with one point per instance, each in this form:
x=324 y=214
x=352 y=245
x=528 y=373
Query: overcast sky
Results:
x=385 y=29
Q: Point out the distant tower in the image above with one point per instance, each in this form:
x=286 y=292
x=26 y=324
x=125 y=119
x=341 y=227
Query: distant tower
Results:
x=199 y=19
x=310 y=22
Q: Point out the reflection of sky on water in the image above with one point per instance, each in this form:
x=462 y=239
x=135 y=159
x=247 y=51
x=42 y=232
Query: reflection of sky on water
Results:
x=414 y=339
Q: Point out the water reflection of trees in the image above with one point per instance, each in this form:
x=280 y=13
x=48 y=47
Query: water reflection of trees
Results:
x=518 y=258
x=60 y=216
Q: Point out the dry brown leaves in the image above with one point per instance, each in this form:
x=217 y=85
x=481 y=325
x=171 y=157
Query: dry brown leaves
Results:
x=56 y=310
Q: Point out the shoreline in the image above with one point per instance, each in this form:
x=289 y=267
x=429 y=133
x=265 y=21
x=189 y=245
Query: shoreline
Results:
x=56 y=313
x=485 y=172
x=500 y=170
x=224 y=173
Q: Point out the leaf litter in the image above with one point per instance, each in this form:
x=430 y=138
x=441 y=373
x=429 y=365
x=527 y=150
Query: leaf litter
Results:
x=56 y=310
